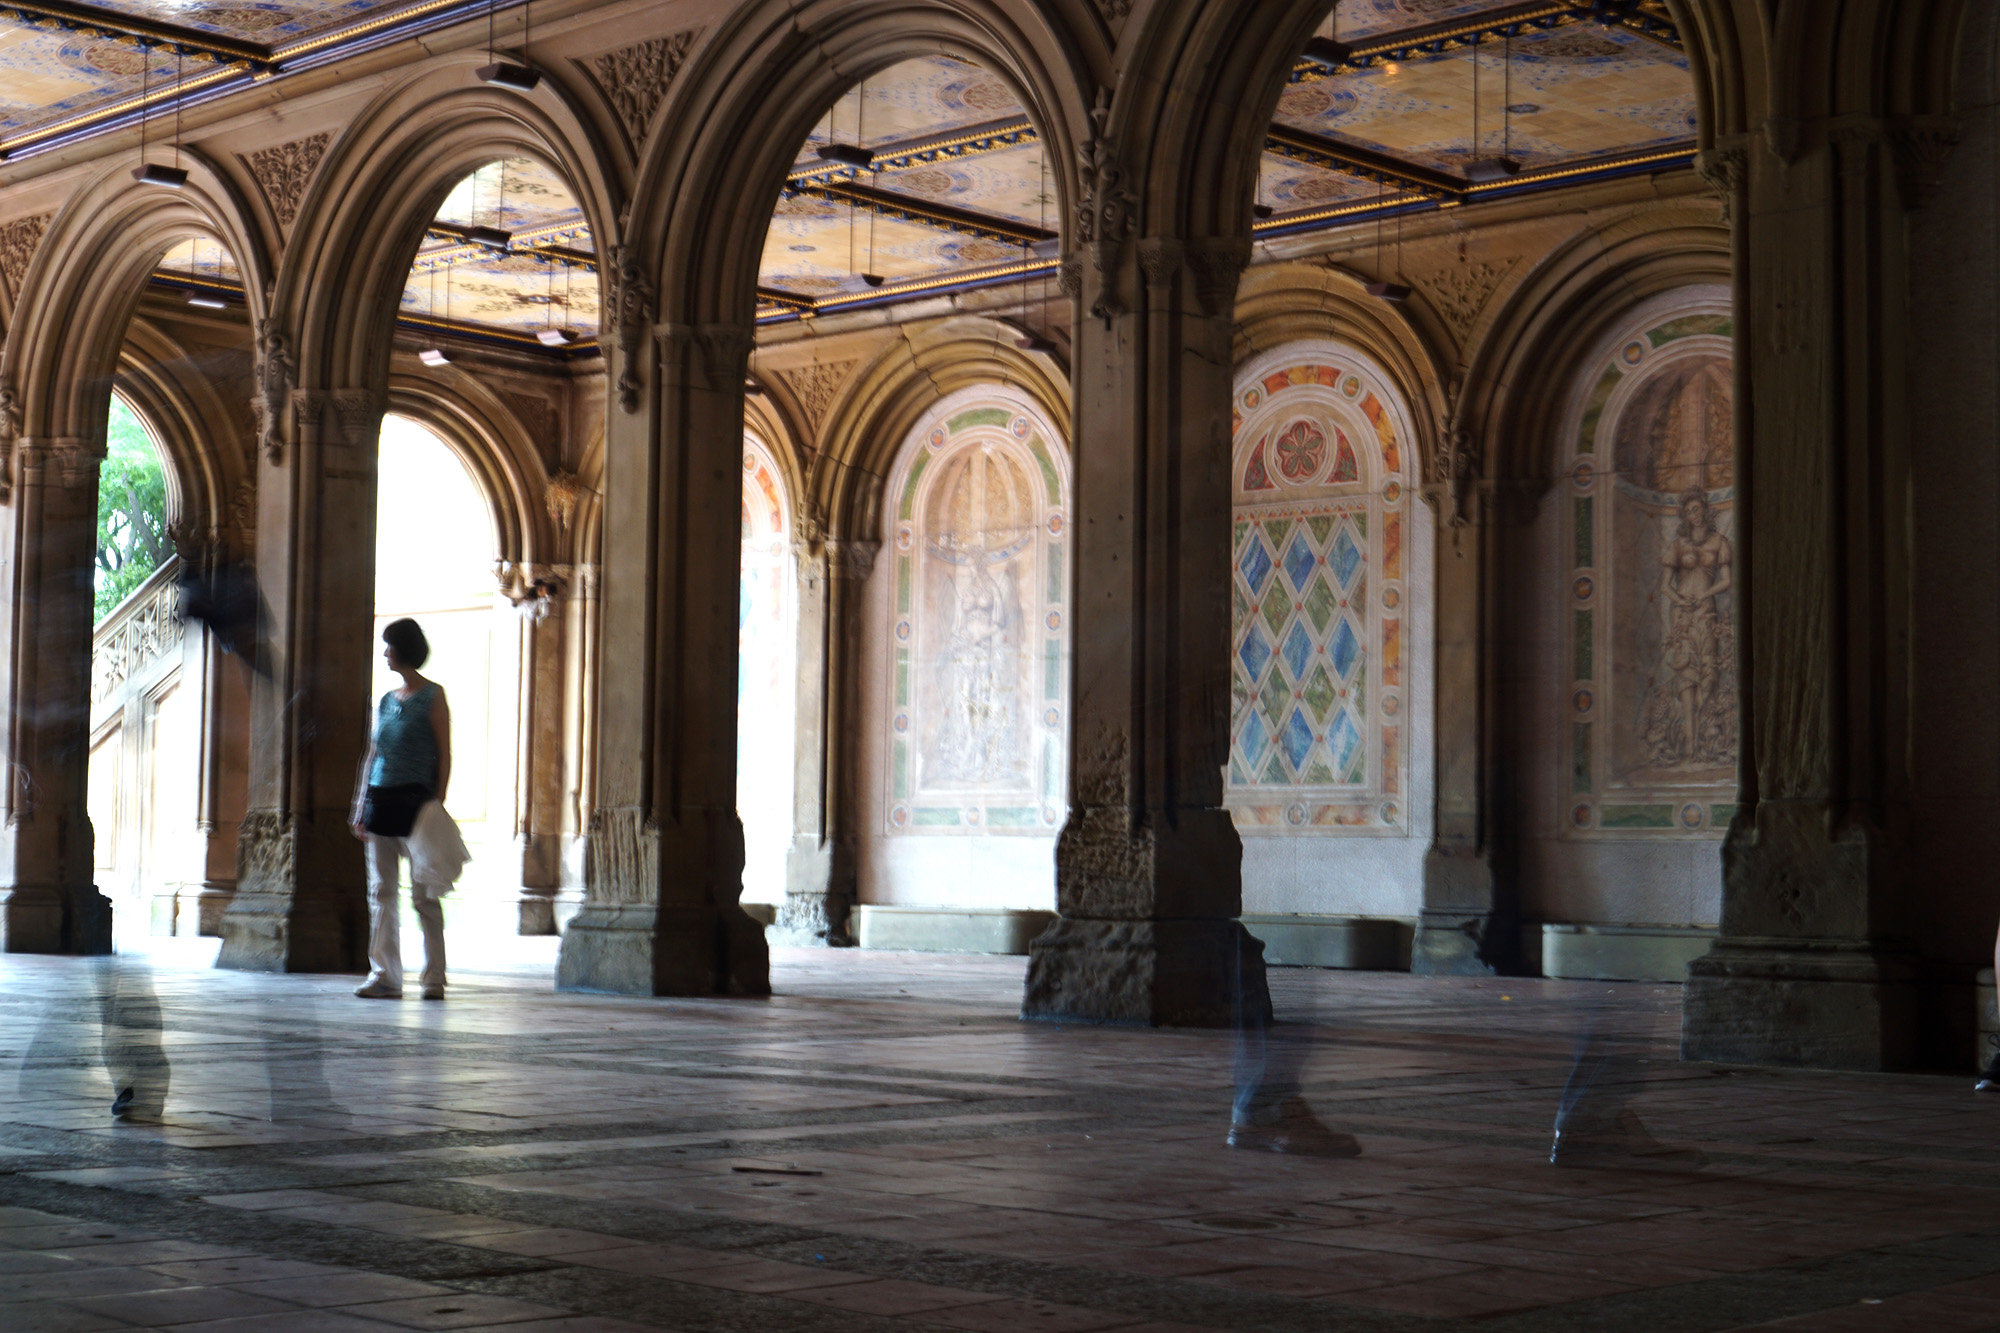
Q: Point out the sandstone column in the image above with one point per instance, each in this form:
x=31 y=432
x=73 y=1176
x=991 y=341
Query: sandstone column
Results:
x=1149 y=866
x=48 y=900
x=301 y=903
x=820 y=871
x=540 y=768
x=664 y=864
x=1466 y=923
x=1814 y=965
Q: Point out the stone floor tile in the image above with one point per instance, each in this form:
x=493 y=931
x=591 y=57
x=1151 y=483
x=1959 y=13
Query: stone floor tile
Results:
x=1010 y=1316
x=150 y=1253
x=241 y=1269
x=53 y=1318
x=770 y=1275
x=183 y=1305
x=78 y=1281
x=298 y=1321
x=658 y=1260
x=544 y=1242
x=454 y=1310
x=323 y=1289
x=890 y=1297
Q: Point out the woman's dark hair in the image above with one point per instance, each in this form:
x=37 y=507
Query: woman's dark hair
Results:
x=407 y=638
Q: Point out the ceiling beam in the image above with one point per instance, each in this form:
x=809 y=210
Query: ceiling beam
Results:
x=1332 y=155
x=940 y=217
x=1642 y=18
x=911 y=154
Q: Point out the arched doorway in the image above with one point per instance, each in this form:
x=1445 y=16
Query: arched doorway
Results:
x=434 y=562
x=765 y=762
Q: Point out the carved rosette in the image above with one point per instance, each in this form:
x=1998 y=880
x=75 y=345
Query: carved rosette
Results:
x=284 y=170
x=621 y=857
x=635 y=79
x=266 y=851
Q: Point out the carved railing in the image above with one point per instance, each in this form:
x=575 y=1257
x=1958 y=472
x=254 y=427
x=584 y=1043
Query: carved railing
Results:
x=139 y=631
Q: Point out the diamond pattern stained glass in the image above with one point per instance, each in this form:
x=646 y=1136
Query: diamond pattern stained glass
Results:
x=1277 y=607
x=1345 y=557
x=1253 y=738
x=1255 y=564
x=1300 y=561
x=1297 y=738
x=1343 y=738
x=1255 y=653
x=1297 y=649
x=1275 y=699
x=1320 y=693
x=1345 y=649
x=1321 y=605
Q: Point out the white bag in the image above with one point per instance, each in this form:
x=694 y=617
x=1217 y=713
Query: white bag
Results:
x=437 y=852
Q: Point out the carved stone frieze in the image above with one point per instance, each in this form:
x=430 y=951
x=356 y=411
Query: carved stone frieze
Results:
x=18 y=240
x=349 y=417
x=283 y=171
x=275 y=372
x=1456 y=468
x=816 y=386
x=621 y=860
x=632 y=314
x=266 y=850
x=1108 y=208
x=1458 y=294
x=141 y=634
x=635 y=79
x=10 y=431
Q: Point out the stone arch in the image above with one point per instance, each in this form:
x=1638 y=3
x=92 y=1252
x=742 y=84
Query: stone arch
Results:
x=500 y=457
x=753 y=89
x=1515 y=383
x=85 y=280
x=382 y=182
x=882 y=404
x=1288 y=303
x=203 y=442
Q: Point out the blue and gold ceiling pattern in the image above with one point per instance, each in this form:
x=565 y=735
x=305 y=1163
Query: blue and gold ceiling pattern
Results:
x=1404 y=108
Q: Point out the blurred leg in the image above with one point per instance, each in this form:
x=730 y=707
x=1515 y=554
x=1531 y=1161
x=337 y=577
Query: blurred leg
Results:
x=430 y=915
x=385 y=934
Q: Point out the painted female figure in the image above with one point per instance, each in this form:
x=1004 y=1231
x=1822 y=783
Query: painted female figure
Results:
x=1692 y=725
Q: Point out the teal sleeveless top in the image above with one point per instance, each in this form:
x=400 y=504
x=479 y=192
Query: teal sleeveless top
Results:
x=406 y=750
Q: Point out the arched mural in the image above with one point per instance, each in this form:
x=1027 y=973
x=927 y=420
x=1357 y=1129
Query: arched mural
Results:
x=1319 y=725
x=977 y=526
x=764 y=689
x=1652 y=733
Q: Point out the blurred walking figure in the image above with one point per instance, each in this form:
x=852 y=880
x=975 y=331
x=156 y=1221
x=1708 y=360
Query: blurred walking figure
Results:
x=1989 y=1081
x=1595 y=1122
x=1270 y=1113
x=407 y=768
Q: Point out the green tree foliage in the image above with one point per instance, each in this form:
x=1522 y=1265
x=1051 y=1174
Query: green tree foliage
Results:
x=131 y=511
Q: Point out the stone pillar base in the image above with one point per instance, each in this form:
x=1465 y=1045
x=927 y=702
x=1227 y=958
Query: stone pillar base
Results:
x=545 y=912
x=1818 y=1004
x=37 y=918
x=813 y=920
x=643 y=949
x=1453 y=944
x=1181 y=973
x=281 y=932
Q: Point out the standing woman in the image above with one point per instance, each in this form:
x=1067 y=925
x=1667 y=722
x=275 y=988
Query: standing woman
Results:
x=408 y=765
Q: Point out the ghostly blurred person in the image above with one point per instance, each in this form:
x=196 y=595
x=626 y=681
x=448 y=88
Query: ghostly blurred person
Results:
x=408 y=765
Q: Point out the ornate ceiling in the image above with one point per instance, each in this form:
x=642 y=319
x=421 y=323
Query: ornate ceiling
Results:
x=958 y=192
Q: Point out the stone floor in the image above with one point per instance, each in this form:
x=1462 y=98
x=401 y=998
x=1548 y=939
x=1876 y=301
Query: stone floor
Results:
x=883 y=1146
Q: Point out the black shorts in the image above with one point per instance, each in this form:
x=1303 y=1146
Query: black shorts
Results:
x=391 y=812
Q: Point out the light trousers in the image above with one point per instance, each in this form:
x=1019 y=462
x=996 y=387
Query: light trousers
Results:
x=385 y=916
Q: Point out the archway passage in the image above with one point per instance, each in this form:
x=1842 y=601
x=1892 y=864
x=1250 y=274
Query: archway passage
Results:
x=766 y=762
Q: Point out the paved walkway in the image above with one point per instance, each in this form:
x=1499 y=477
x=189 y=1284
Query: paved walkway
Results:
x=884 y=1147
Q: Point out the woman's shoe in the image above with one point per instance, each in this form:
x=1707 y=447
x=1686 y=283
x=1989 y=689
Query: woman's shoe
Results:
x=375 y=990
x=433 y=992
x=1990 y=1080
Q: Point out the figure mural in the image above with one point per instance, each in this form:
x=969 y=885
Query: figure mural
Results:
x=1319 y=682
x=978 y=672
x=1652 y=696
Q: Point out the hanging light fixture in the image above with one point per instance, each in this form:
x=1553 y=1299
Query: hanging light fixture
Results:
x=551 y=336
x=1382 y=289
x=1325 y=52
x=492 y=238
x=1484 y=171
x=505 y=73
x=846 y=154
x=155 y=173
x=1032 y=339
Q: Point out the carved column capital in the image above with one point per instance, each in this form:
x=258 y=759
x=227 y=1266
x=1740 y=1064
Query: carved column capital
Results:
x=1161 y=258
x=1725 y=171
x=1218 y=263
x=350 y=417
x=1107 y=207
x=59 y=460
x=1921 y=145
x=10 y=433
x=851 y=558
